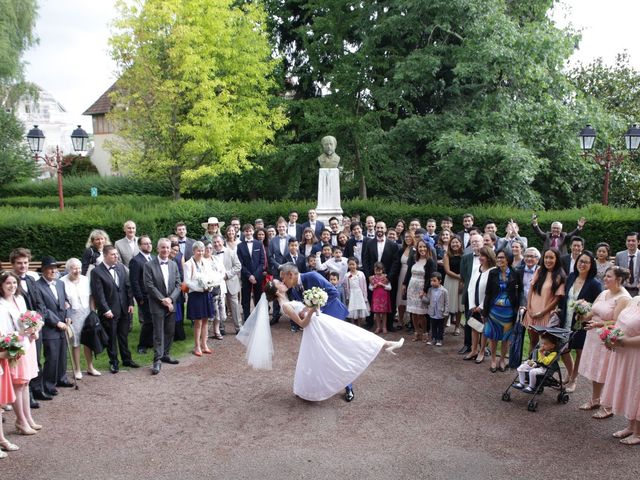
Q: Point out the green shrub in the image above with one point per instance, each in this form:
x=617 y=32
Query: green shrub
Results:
x=83 y=201
x=81 y=186
x=64 y=234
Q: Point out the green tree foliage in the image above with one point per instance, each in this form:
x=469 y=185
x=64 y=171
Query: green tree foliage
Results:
x=615 y=90
x=194 y=96
x=16 y=162
x=460 y=100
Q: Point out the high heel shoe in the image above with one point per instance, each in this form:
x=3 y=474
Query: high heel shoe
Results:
x=93 y=372
x=20 y=430
x=208 y=351
x=7 y=446
x=395 y=346
x=35 y=426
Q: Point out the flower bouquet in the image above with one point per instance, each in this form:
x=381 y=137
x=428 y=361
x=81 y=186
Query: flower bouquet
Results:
x=581 y=308
x=315 y=297
x=209 y=280
x=31 y=322
x=610 y=336
x=12 y=344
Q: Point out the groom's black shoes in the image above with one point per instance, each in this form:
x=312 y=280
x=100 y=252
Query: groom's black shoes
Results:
x=348 y=396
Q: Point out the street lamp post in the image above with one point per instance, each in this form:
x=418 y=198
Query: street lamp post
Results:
x=35 y=137
x=609 y=157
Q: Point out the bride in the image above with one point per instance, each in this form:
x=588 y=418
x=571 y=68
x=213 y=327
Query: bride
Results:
x=333 y=353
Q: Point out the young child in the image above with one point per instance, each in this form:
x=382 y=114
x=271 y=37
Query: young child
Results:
x=437 y=308
x=544 y=355
x=334 y=278
x=355 y=289
x=335 y=264
x=312 y=262
x=380 y=285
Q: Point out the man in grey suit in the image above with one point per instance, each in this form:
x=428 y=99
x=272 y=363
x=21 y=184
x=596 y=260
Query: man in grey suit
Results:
x=128 y=246
x=629 y=259
x=162 y=282
x=232 y=268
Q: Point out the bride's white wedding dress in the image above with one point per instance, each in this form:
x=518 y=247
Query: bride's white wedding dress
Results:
x=333 y=353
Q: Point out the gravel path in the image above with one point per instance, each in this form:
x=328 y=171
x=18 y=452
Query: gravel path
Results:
x=422 y=414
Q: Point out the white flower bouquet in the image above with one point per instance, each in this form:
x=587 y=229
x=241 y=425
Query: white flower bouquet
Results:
x=209 y=279
x=315 y=297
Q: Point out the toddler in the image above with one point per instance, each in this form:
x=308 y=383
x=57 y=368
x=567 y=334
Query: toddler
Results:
x=437 y=308
x=544 y=355
x=380 y=285
x=355 y=289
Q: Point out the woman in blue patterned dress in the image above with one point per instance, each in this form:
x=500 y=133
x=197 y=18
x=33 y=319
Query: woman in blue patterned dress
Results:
x=501 y=300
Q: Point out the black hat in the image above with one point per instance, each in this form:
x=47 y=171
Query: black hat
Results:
x=48 y=261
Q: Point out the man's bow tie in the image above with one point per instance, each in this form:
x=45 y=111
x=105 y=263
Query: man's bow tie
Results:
x=164 y=263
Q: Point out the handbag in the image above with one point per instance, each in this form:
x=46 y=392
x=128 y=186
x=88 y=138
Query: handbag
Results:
x=476 y=324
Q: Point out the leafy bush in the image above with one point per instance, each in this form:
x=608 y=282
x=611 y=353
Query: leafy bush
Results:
x=81 y=186
x=83 y=201
x=64 y=234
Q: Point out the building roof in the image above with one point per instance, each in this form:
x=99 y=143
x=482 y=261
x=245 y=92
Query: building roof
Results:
x=103 y=104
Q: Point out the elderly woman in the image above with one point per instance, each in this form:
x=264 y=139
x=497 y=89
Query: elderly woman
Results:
x=476 y=291
x=199 y=306
x=78 y=291
x=621 y=393
x=595 y=357
x=501 y=300
x=547 y=288
x=581 y=285
x=12 y=306
x=92 y=256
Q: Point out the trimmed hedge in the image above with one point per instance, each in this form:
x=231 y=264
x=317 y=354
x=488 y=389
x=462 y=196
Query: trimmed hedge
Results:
x=81 y=186
x=64 y=234
x=83 y=201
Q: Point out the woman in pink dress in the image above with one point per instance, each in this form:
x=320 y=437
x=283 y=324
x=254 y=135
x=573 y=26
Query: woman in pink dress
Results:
x=12 y=306
x=621 y=392
x=547 y=286
x=595 y=357
x=7 y=397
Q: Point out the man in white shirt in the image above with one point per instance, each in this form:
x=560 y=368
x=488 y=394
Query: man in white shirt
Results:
x=629 y=259
x=370 y=224
x=294 y=229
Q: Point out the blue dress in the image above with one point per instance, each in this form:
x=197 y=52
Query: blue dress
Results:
x=500 y=324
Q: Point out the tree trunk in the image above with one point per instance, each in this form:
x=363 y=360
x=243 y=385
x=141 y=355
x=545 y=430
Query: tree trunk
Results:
x=174 y=178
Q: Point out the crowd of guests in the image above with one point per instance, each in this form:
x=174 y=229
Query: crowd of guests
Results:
x=429 y=282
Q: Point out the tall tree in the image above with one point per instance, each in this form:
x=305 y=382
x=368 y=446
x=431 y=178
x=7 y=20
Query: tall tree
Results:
x=16 y=162
x=194 y=95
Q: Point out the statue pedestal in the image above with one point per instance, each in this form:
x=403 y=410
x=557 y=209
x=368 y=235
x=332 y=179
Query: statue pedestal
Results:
x=329 y=194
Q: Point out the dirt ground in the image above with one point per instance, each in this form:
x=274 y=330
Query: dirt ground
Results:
x=422 y=414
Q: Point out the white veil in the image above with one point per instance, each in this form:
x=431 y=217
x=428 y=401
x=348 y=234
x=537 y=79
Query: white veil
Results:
x=255 y=334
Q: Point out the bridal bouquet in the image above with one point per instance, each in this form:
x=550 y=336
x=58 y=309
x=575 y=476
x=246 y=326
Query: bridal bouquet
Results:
x=31 y=321
x=580 y=307
x=315 y=297
x=12 y=343
x=209 y=279
x=610 y=336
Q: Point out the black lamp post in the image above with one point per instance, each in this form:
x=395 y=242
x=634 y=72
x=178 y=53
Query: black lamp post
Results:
x=609 y=157
x=35 y=137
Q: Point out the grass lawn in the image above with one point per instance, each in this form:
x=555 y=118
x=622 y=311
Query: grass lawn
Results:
x=178 y=349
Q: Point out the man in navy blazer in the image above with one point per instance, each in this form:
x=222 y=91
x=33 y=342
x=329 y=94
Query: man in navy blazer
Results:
x=253 y=259
x=114 y=301
x=294 y=229
x=316 y=225
x=54 y=315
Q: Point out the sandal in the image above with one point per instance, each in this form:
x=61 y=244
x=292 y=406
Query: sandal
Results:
x=623 y=433
x=632 y=440
x=602 y=414
x=207 y=351
x=7 y=446
x=590 y=405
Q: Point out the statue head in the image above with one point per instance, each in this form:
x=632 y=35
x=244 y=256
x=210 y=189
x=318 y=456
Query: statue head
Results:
x=329 y=144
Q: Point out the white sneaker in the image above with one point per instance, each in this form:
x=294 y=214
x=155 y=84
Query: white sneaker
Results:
x=429 y=342
x=438 y=344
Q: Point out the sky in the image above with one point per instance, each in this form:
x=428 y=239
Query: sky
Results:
x=72 y=60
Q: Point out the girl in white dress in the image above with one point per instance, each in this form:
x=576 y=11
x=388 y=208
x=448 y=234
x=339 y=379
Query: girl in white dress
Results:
x=355 y=287
x=333 y=353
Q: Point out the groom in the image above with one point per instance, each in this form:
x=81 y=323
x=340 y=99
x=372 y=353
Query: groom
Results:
x=297 y=283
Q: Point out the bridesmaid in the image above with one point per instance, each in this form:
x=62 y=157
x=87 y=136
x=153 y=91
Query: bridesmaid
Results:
x=595 y=357
x=12 y=306
x=401 y=299
x=621 y=393
x=7 y=397
x=581 y=285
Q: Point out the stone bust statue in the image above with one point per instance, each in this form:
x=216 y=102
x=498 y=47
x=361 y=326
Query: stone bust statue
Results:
x=329 y=159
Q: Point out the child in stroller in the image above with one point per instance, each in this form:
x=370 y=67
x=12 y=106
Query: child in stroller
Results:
x=540 y=359
x=543 y=361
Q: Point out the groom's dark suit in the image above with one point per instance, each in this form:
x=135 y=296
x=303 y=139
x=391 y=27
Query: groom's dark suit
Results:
x=117 y=299
x=164 y=321
x=334 y=306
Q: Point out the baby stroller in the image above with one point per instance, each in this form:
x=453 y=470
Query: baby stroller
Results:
x=548 y=379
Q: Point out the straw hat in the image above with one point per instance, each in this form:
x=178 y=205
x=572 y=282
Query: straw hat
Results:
x=212 y=220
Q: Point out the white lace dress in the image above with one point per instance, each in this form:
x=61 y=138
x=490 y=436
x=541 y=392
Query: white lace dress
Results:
x=333 y=353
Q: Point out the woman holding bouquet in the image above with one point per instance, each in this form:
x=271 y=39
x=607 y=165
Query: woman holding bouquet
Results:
x=199 y=305
x=581 y=290
x=7 y=397
x=621 y=391
x=333 y=353
x=12 y=306
x=595 y=357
